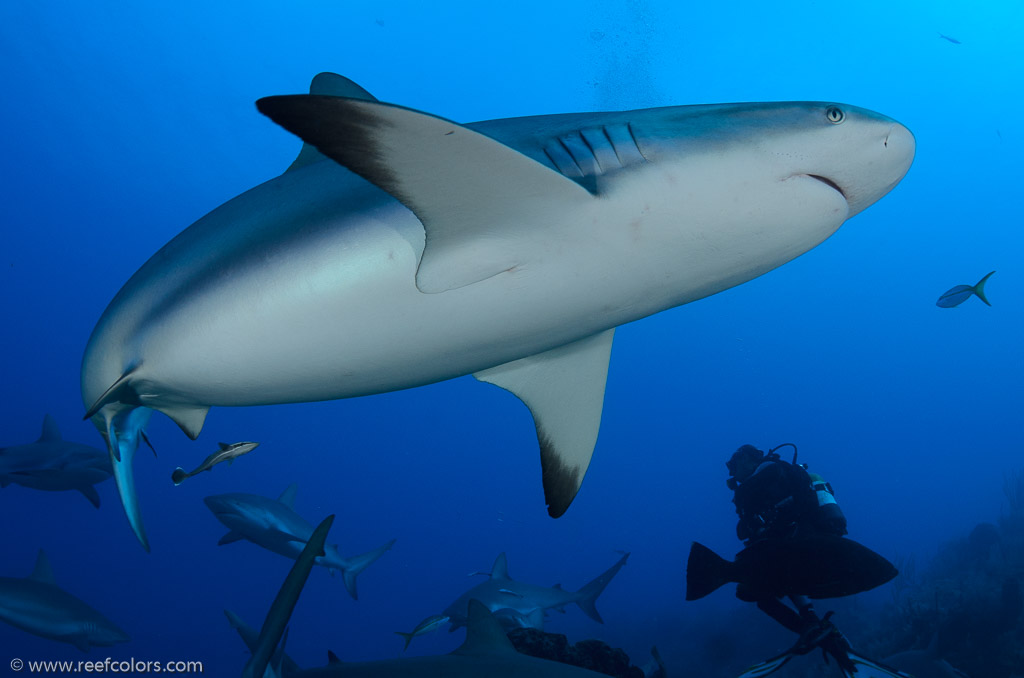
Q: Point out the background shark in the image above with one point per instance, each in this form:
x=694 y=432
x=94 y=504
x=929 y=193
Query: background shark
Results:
x=518 y=604
x=274 y=525
x=487 y=651
x=508 y=249
x=52 y=463
x=37 y=605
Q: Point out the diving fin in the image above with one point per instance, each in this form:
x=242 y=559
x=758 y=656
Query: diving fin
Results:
x=768 y=665
x=876 y=668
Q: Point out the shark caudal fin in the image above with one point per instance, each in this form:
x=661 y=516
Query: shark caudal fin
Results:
x=281 y=609
x=122 y=429
x=979 y=289
x=590 y=591
x=705 y=571
x=356 y=564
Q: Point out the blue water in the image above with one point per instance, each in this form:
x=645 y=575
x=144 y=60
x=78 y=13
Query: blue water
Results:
x=123 y=123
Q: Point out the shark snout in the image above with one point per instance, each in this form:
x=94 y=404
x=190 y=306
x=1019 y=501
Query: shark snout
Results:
x=108 y=634
x=878 y=167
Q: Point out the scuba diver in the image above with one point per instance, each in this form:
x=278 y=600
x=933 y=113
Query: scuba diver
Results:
x=779 y=500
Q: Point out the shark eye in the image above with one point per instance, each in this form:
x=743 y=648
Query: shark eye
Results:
x=835 y=115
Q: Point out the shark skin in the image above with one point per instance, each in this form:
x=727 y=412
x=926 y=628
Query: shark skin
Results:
x=516 y=604
x=37 y=605
x=54 y=464
x=506 y=249
x=274 y=525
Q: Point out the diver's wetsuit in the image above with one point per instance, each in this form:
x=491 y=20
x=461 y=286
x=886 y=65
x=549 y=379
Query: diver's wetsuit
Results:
x=777 y=502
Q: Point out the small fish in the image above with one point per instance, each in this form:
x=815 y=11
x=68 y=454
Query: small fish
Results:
x=952 y=40
x=429 y=624
x=960 y=293
x=226 y=453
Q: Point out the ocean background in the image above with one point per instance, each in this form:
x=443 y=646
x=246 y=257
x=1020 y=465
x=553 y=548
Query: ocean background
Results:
x=122 y=123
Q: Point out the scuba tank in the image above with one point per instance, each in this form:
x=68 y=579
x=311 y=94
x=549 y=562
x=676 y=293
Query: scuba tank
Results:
x=829 y=517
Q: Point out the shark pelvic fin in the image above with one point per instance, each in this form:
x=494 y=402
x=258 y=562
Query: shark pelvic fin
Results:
x=42 y=572
x=328 y=84
x=90 y=493
x=189 y=418
x=50 y=432
x=564 y=389
x=466 y=188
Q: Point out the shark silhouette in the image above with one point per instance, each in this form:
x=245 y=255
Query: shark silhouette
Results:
x=506 y=249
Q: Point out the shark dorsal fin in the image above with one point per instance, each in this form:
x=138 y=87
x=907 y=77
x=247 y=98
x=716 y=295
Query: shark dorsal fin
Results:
x=332 y=658
x=500 y=568
x=484 y=635
x=288 y=496
x=334 y=85
x=224 y=446
x=50 y=433
x=42 y=572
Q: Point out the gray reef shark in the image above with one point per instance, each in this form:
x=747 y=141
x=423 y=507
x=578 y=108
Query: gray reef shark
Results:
x=507 y=249
x=37 y=605
x=487 y=652
x=226 y=453
x=518 y=604
x=274 y=525
x=54 y=464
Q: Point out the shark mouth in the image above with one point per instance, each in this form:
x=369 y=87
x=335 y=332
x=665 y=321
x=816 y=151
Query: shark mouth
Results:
x=828 y=182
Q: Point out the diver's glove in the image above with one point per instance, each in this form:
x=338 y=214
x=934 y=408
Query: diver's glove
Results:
x=813 y=637
x=836 y=644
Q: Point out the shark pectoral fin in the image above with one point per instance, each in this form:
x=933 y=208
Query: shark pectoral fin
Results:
x=189 y=418
x=564 y=389
x=288 y=496
x=484 y=635
x=42 y=572
x=90 y=493
x=50 y=432
x=484 y=206
x=329 y=84
x=230 y=538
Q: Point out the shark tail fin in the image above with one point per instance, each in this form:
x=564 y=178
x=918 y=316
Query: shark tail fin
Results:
x=408 y=638
x=705 y=571
x=356 y=564
x=122 y=431
x=587 y=596
x=979 y=289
